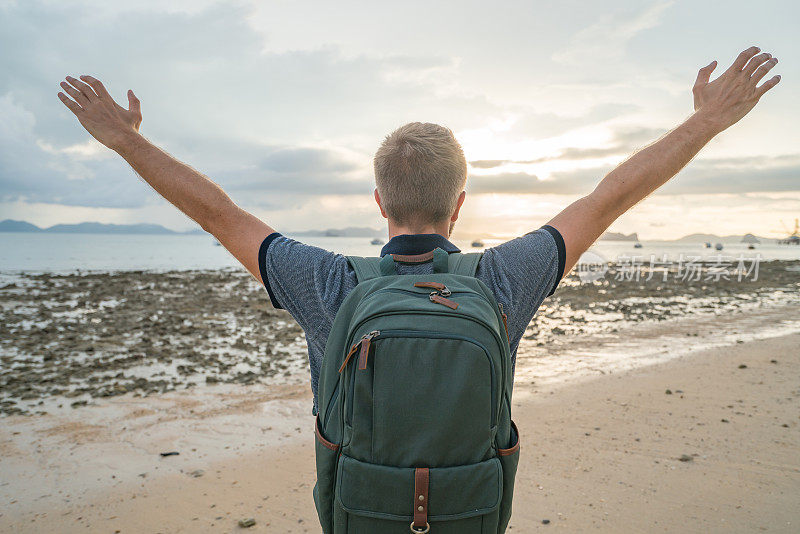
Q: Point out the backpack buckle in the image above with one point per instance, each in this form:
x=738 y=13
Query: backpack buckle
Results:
x=426 y=528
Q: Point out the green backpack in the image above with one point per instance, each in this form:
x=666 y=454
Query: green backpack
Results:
x=414 y=427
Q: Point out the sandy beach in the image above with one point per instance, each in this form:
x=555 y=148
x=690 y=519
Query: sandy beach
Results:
x=703 y=441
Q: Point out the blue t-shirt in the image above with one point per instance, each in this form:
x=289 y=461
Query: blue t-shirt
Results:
x=311 y=283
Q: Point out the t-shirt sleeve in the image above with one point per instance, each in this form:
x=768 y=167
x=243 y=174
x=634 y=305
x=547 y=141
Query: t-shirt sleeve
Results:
x=309 y=282
x=523 y=272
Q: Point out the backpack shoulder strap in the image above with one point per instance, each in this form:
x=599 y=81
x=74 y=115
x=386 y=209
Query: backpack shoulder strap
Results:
x=464 y=264
x=365 y=268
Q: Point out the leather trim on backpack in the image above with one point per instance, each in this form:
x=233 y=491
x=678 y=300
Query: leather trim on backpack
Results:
x=324 y=442
x=515 y=448
x=413 y=258
x=421 y=478
x=431 y=285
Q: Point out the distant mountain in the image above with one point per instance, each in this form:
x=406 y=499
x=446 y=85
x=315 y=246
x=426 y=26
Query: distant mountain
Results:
x=614 y=236
x=91 y=228
x=712 y=238
x=100 y=228
x=750 y=238
x=350 y=231
x=18 y=226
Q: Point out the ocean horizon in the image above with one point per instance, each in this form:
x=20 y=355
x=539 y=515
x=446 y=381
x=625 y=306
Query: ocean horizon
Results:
x=50 y=252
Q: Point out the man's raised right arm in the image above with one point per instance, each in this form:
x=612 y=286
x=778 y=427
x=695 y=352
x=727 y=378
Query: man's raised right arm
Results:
x=187 y=189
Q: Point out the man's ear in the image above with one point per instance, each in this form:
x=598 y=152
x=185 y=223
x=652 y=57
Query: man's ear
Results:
x=378 y=200
x=460 y=202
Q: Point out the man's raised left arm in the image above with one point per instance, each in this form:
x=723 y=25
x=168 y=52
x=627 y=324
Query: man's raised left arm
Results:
x=718 y=105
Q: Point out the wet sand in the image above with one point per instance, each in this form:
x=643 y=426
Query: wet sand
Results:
x=601 y=452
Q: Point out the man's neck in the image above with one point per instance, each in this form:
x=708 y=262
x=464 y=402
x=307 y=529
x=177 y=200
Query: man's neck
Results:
x=398 y=229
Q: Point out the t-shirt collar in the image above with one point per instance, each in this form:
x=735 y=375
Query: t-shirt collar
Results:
x=417 y=244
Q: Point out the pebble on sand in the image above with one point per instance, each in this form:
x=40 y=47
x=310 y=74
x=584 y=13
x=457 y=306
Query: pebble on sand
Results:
x=686 y=458
x=247 y=523
x=742 y=366
x=545 y=521
x=668 y=392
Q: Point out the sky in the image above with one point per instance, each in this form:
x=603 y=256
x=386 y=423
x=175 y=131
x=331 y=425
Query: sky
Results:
x=283 y=103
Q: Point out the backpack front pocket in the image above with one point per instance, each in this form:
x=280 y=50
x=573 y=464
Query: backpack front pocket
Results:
x=378 y=498
x=407 y=386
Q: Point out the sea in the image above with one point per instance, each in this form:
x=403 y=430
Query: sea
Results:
x=50 y=252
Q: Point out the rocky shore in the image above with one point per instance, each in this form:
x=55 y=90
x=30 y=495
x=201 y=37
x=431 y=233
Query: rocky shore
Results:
x=66 y=339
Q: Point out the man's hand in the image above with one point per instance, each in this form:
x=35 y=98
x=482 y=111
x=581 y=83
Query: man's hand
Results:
x=104 y=119
x=731 y=96
x=718 y=105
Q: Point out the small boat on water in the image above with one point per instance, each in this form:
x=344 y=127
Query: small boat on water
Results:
x=217 y=243
x=718 y=246
x=637 y=245
x=708 y=245
x=478 y=243
x=751 y=247
x=376 y=241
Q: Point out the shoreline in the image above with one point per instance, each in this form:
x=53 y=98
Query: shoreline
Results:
x=248 y=452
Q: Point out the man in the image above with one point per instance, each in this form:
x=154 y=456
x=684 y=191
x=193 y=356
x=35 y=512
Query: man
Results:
x=420 y=174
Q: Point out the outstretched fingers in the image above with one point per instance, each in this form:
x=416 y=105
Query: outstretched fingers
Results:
x=79 y=97
x=97 y=86
x=71 y=104
x=742 y=59
x=763 y=70
x=756 y=62
x=766 y=86
x=87 y=91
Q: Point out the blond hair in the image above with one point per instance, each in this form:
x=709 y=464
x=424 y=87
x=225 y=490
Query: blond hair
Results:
x=420 y=171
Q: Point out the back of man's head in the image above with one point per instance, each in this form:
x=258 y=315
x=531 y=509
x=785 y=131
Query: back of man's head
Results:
x=420 y=171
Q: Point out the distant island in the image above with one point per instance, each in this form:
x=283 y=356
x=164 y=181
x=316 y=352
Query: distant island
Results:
x=10 y=225
x=614 y=236
x=350 y=231
x=711 y=238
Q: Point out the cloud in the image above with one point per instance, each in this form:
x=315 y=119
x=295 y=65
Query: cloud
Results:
x=704 y=176
x=303 y=159
x=607 y=38
x=298 y=122
x=283 y=104
x=624 y=141
x=739 y=175
x=572 y=183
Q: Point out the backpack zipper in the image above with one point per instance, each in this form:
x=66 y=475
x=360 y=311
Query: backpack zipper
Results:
x=439 y=294
x=505 y=320
x=362 y=357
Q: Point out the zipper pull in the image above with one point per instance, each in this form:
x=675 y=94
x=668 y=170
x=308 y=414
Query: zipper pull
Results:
x=438 y=286
x=349 y=355
x=366 y=337
x=365 y=343
x=436 y=297
x=431 y=285
x=505 y=320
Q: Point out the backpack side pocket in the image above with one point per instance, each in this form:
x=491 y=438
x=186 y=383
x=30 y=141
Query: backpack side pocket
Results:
x=509 y=459
x=326 y=456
